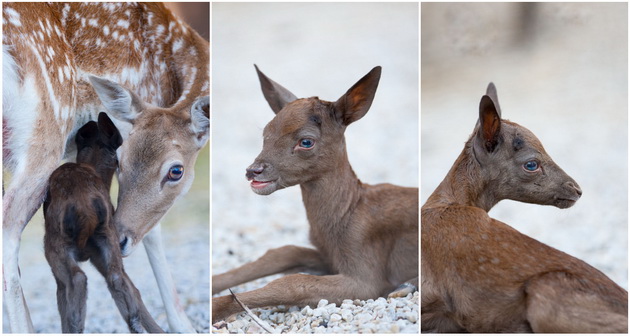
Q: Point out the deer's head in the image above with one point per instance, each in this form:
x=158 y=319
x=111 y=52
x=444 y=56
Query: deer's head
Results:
x=306 y=137
x=156 y=161
x=514 y=164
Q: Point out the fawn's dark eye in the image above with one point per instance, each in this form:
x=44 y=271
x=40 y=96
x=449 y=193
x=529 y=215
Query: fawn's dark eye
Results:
x=175 y=173
x=531 y=166
x=306 y=143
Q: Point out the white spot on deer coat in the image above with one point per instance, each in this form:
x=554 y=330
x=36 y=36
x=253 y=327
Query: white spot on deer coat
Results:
x=14 y=16
x=106 y=30
x=177 y=45
x=123 y=23
x=93 y=22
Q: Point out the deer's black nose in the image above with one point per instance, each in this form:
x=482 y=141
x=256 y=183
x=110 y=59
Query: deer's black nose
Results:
x=253 y=170
x=575 y=187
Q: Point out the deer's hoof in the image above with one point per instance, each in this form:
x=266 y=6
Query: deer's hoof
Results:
x=403 y=290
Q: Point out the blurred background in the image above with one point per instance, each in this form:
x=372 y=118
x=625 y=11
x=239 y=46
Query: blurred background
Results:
x=312 y=49
x=186 y=237
x=561 y=71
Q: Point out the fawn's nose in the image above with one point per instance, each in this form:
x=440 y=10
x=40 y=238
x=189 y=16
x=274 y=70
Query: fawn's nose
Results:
x=253 y=170
x=574 y=186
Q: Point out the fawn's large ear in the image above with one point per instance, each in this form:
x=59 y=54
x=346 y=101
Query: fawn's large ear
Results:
x=490 y=124
x=86 y=134
x=120 y=102
x=200 y=120
x=491 y=92
x=355 y=103
x=275 y=94
x=108 y=131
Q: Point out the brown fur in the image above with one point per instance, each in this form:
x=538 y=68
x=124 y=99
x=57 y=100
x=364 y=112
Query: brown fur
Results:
x=79 y=226
x=481 y=275
x=365 y=236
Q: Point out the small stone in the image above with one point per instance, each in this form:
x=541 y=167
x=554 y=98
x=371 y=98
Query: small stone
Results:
x=334 y=318
x=322 y=303
x=346 y=314
x=394 y=329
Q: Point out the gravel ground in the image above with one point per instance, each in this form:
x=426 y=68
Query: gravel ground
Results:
x=566 y=81
x=311 y=49
x=185 y=235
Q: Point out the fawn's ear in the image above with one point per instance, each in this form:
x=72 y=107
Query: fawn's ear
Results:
x=491 y=92
x=108 y=132
x=86 y=134
x=200 y=120
x=275 y=94
x=120 y=102
x=355 y=103
x=490 y=124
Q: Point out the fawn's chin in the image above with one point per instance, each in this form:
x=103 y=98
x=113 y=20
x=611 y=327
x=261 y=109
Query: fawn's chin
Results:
x=264 y=187
x=564 y=203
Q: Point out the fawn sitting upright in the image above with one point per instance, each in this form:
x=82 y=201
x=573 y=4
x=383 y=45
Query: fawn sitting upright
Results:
x=481 y=275
x=365 y=236
x=79 y=226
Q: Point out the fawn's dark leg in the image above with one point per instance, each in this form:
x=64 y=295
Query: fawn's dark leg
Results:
x=108 y=261
x=71 y=289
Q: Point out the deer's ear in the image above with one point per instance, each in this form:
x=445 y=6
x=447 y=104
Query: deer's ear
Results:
x=275 y=94
x=108 y=131
x=120 y=102
x=86 y=134
x=200 y=120
x=355 y=103
x=489 y=124
x=491 y=92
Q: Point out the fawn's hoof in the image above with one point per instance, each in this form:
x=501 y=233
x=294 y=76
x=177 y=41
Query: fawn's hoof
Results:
x=403 y=290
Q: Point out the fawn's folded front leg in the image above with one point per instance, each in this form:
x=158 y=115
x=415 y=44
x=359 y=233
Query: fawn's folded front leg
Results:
x=282 y=259
x=296 y=289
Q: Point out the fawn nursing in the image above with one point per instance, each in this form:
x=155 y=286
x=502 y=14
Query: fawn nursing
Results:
x=79 y=226
x=365 y=236
x=481 y=275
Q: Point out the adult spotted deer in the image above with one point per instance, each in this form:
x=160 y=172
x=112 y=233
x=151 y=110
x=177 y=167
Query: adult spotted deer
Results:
x=79 y=226
x=481 y=275
x=365 y=236
x=161 y=106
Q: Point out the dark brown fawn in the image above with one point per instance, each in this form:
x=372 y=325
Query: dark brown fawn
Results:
x=365 y=236
x=481 y=275
x=79 y=226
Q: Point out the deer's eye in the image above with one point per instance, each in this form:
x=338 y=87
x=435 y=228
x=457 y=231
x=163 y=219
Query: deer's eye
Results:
x=306 y=143
x=175 y=173
x=531 y=166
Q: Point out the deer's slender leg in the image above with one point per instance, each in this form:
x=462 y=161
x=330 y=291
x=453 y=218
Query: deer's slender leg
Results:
x=177 y=319
x=283 y=259
x=21 y=200
x=71 y=288
x=108 y=261
x=297 y=289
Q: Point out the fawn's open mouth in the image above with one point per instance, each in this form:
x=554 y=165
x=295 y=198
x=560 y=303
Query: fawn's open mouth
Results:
x=263 y=187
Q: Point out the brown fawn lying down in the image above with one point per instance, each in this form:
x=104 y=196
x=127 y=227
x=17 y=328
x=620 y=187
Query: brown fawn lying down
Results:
x=365 y=236
x=79 y=226
x=481 y=275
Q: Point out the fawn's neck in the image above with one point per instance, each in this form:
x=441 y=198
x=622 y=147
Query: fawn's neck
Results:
x=464 y=184
x=330 y=199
